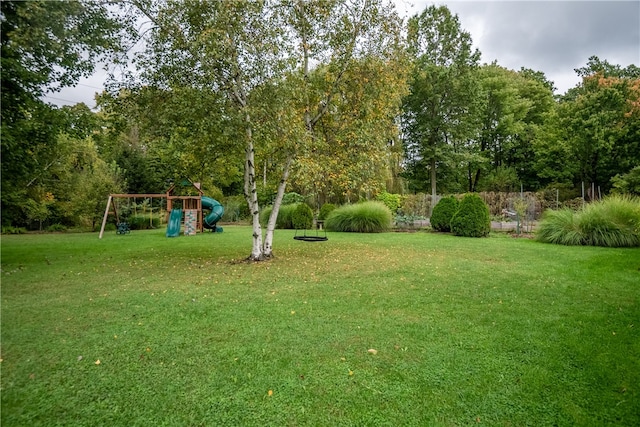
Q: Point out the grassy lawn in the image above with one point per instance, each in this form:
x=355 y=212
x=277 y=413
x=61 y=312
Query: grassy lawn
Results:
x=496 y=331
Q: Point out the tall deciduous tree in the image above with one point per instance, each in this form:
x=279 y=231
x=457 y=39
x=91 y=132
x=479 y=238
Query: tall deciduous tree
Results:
x=164 y=138
x=512 y=108
x=351 y=153
x=596 y=126
x=232 y=47
x=440 y=110
x=46 y=45
x=251 y=52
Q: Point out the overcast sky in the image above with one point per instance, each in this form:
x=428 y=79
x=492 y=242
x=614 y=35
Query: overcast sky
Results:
x=554 y=37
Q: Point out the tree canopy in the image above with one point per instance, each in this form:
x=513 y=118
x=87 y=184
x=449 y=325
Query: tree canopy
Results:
x=439 y=112
x=45 y=46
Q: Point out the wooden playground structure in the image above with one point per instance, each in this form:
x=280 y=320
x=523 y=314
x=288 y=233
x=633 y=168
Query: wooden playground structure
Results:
x=188 y=202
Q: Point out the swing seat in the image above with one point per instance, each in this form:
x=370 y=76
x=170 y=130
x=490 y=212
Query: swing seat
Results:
x=123 y=228
x=311 y=238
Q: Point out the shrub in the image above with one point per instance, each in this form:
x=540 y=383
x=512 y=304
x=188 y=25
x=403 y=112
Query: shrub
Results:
x=416 y=204
x=13 y=230
x=367 y=217
x=611 y=222
x=472 y=218
x=325 y=210
x=392 y=201
x=502 y=179
x=235 y=209
x=407 y=222
x=443 y=212
x=55 y=228
x=302 y=217
x=292 y=198
x=141 y=222
x=628 y=183
x=285 y=214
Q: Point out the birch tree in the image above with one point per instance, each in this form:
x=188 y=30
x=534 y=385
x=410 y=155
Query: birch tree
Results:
x=260 y=54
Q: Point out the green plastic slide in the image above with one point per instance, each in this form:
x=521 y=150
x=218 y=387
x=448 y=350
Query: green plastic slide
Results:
x=217 y=210
x=175 y=220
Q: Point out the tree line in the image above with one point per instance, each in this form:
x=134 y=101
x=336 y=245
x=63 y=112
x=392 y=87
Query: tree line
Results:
x=335 y=99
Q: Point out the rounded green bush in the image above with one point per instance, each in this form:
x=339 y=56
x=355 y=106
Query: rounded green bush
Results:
x=367 y=217
x=472 y=217
x=392 y=201
x=443 y=212
x=292 y=198
x=302 y=217
x=325 y=210
x=285 y=215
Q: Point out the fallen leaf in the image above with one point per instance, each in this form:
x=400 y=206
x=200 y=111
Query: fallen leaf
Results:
x=270 y=393
x=350 y=373
x=372 y=351
x=97 y=362
x=80 y=358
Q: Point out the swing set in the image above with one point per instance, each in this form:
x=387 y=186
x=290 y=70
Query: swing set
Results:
x=122 y=227
x=183 y=196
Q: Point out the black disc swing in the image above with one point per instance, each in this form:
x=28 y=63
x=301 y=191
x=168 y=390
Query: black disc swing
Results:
x=317 y=237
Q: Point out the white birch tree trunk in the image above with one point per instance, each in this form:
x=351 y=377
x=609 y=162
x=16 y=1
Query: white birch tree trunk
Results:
x=271 y=225
x=251 y=195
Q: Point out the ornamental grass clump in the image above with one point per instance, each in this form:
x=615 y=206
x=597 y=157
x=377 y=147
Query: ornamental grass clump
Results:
x=472 y=218
x=442 y=214
x=367 y=217
x=611 y=222
x=560 y=227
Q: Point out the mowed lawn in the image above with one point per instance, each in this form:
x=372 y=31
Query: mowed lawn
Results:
x=393 y=329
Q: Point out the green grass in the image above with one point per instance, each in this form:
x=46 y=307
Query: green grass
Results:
x=497 y=331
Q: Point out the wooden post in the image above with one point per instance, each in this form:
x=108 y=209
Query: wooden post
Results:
x=104 y=219
x=200 y=215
